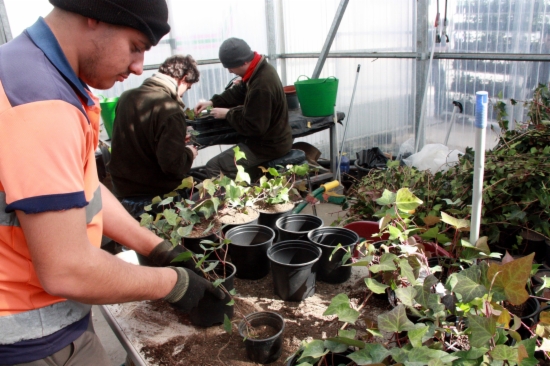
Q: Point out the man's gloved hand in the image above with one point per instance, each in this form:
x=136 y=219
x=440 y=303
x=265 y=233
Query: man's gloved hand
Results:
x=163 y=254
x=189 y=289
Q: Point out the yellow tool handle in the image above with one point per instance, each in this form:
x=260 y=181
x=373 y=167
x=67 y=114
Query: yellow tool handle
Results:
x=330 y=185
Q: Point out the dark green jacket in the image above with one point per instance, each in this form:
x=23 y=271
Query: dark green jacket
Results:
x=259 y=112
x=148 y=154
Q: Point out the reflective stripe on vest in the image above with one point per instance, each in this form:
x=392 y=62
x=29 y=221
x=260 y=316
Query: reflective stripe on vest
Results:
x=41 y=322
x=10 y=219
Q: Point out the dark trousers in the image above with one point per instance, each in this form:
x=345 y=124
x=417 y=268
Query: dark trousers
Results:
x=225 y=162
x=85 y=350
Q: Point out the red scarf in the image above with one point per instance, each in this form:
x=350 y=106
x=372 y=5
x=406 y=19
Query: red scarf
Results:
x=252 y=66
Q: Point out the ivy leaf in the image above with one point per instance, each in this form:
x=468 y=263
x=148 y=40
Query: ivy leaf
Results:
x=166 y=201
x=415 y=335
x=377 y=352
x=242 y=176
x=217 y=282
x=424 y=355
x=407 y=271
x=336 y=347
x=395 y=321
x=340 y=306
x=375 y=286
x=388 y=198
x=482 y=330
x=348 y=341
x=185 y=231
x=431 y=220
x=468 y=284
x=472 y=354
x=406 y=201
x=372 y=354
x=186 y=183
x=482 y=245
x=386 y=263
x=454 y=222
x=146 y=219
x=406 y=295
x=211 y=266
x=436 y=362
x=424 y=293
x=395 y=233
x=227 y=324
x=504 y=353
x=207 y=209
x=239 y=154
x=171 y=216
x=314 y=349
x=274 y=172
x=182 y=257
x=512 y=278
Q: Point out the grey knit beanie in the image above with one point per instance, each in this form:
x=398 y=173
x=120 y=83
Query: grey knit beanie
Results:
x=147 y=16
x=234 y=52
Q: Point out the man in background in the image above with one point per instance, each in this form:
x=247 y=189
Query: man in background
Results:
x=255 y=107
x=149 y=155
x=53 y=210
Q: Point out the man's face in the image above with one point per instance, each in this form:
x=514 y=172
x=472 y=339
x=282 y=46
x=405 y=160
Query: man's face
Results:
x=241 y=70
x=114 y=53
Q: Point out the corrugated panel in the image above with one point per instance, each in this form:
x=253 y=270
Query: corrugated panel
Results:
x=383 y=108
x=485 y=26
x=366 y=25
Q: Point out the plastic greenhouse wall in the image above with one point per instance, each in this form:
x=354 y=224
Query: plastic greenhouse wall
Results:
x=385 y=102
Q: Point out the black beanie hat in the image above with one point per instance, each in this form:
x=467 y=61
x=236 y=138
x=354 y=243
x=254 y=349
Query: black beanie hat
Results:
x=147 y=16
x=234 y=52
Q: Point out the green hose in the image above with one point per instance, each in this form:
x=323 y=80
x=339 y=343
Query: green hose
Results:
x=318 y=192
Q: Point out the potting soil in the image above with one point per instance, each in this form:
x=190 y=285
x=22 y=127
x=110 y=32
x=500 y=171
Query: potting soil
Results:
x=163 y=336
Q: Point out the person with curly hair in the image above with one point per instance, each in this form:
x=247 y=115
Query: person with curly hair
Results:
x=149 y=155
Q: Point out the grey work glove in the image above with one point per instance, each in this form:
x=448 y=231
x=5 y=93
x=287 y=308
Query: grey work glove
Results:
x=163 y=254
x=190 y=288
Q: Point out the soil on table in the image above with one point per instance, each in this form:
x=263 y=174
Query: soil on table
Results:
x=180 y=343
x=199 y=228
x=260 y=332
x=276 y=208
x=231 y=216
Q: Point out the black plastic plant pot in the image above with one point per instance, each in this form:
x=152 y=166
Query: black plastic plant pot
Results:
x=248 y=250
x=258 y=349
x=211 y=310
x=294 y=267
x=296 y=227
x=529 y=317
x=331 y=359
x=331 y=268
x=269 y=219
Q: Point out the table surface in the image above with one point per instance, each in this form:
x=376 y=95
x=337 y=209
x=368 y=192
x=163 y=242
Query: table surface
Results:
x=136 y=324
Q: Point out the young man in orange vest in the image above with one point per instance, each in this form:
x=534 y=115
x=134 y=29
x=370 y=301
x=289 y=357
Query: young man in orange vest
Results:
x=53 y=210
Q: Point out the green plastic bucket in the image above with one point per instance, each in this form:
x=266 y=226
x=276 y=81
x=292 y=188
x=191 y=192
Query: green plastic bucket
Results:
x=317 y=96
x=108 y=107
